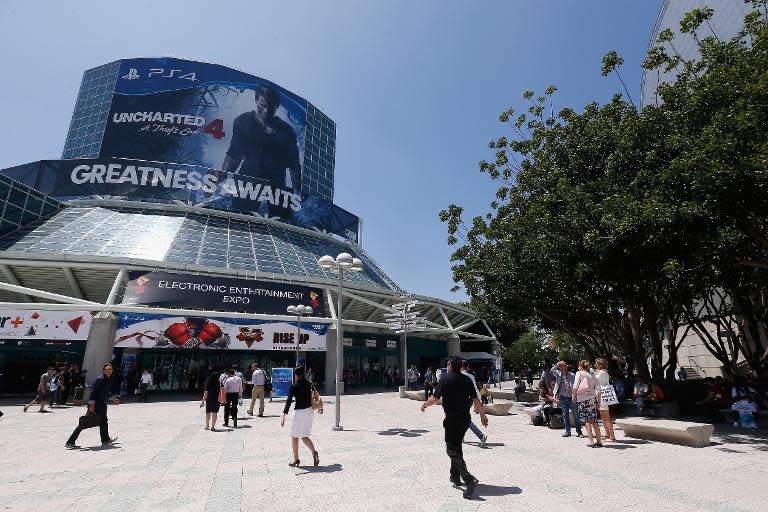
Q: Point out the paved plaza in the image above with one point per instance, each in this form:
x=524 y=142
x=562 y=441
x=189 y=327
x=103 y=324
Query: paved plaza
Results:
x=389 y=457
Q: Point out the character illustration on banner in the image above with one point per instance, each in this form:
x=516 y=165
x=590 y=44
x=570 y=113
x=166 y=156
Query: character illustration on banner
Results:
x=313 y=299
x=249 y=335
x=193 y=332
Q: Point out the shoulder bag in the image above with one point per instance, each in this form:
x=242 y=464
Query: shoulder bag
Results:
x=222 y=395
x=317 y=402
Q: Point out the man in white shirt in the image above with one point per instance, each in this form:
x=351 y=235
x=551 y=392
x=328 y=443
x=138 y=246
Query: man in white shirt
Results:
x=258 y=380
x=144 y=383
x=474 y=428
x=233 y=390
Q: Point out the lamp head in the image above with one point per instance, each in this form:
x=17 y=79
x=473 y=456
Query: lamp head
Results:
x=291 y=310
x=326 y=263
x=344 y=260
x=357 y=265
x=307 y=310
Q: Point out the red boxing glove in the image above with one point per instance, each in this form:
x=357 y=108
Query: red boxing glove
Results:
x=210 y=333
x=178 y=333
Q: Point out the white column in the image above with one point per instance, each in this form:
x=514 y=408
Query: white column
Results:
x=98 y=348
x=330 y=363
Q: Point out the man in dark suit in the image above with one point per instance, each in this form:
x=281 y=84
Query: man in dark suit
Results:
x=97 y=406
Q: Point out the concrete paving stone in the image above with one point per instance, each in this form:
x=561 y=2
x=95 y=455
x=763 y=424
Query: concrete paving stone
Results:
x=391 y=456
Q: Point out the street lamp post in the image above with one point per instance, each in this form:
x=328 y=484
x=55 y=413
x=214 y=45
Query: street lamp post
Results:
x=342 y=262
x=299 y=311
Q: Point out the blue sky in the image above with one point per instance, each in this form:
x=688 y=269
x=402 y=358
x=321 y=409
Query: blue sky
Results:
x=415 y=87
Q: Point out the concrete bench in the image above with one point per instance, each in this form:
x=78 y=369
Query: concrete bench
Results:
x=508 y=394
x=667 y=431
x=416 y=395
x=498 y=409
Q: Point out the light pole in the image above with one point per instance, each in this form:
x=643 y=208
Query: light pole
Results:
x=299 y=311
x=342 y=262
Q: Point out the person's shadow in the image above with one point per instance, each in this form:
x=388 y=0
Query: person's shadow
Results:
x=332 y=468
x=494 y=490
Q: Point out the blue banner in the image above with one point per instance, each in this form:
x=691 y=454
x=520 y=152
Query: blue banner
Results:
x=282 y=380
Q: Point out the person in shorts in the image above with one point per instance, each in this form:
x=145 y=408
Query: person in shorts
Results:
x=43 y=391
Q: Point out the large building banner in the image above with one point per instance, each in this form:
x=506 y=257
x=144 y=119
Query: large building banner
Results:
x=39 y=328
x=174 y=332
x=184 y=111
x=144 y=180
x=186 y=291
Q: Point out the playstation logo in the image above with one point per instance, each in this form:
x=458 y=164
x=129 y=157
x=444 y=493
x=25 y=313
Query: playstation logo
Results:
x=132 y=74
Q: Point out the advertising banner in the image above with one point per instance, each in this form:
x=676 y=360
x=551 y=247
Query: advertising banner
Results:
x=144 y=180
x=166 y=331
x=166 y=289
x=282 y=379
x=45 y=325
x=183 y=111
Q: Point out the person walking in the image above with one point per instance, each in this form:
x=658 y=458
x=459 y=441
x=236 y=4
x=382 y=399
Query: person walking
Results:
x=413 y=378
x=458 y=394
x=563 y=397
x=211 y=401
x=55 y=386
x=144 y=382
x=303 y=414
x=429 y=383
x=604 y=380
x=586 y=393
x=233 y=391
x=258 y=380
x=43 y=391
x=97 y=405
x=475 y=430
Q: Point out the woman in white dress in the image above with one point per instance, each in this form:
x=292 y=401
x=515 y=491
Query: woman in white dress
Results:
x=586 y=395
x=605 y=414
x=301 y=425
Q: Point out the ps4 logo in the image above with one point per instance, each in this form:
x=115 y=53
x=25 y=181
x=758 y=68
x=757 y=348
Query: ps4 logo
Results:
x=133 y=74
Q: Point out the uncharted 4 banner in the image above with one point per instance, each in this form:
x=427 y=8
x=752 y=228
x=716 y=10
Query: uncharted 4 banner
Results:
x=174 y=332
x=165 y=289
x=102 y=178
x=184 y=111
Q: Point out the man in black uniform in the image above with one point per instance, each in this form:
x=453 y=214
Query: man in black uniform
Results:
x=97 y=405
x=264 y=144
x=458 y=394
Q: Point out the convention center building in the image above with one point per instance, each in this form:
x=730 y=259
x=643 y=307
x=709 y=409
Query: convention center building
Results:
x=187 y=214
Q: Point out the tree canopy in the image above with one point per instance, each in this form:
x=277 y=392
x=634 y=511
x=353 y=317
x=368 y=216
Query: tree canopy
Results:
x=626 y=228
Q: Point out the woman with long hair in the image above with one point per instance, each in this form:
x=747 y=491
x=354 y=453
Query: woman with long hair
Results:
x=211 y=399
x=586 y=393
x=301 y=425
x=603 y=380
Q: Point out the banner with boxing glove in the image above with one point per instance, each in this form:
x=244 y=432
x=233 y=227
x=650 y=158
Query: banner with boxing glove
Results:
x=174 y=332
x=169 y=290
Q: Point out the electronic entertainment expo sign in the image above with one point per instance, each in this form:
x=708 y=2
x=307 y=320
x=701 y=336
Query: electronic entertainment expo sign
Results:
x=169 y=290
x=120 y=178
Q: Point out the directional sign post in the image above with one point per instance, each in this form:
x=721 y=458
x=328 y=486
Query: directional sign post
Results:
x=401 y=320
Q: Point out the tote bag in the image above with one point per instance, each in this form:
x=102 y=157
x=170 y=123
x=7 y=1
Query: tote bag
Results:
x=222 y=395
x=608 y=395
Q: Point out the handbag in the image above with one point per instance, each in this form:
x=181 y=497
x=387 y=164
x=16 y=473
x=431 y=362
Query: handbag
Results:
x=583 y=385
x=317 y=402
x=89 y=421
x=608 y=395
x=222 y=395
x=268 y=386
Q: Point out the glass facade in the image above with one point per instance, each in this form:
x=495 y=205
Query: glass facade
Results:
x=726 y=23
x=319 y=154
x=21 y=206
x=89 y=119
x=185 y=238
x=86 y=131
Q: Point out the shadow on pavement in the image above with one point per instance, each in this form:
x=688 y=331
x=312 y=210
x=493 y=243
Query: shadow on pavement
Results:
x=495 y=490
x=614 y=446
x=632 y=441
x=114 y=446
x=333 y=468
x=402 y=432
